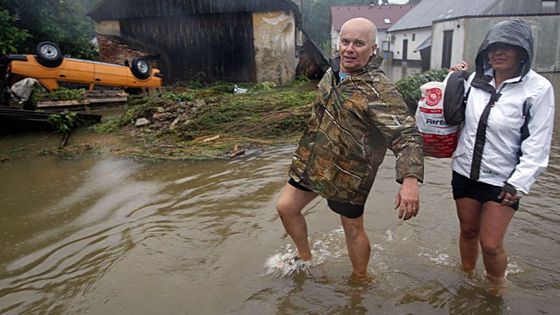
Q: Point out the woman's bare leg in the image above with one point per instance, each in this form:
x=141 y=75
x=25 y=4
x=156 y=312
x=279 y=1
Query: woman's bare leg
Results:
x=469 y=212
x=494 y=223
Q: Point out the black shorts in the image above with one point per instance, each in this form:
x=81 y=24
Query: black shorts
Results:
x=345 y=209
x=464 y=187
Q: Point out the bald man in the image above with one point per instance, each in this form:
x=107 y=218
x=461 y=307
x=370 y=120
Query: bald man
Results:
x=357 y=115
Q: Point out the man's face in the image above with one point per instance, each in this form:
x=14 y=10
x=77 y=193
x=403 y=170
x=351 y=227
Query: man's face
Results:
x=355 y=47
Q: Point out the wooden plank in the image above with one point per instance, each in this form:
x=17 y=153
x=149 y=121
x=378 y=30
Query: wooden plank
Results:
x=107 y=100
x=105 y=93
x=85 y=102
x=41 y=104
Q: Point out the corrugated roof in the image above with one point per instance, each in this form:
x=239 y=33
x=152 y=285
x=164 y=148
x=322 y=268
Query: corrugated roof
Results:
x=427 y=11
x=134 y=9
x=384 y=16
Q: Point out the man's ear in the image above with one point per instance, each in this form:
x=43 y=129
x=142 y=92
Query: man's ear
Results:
x=373 y=50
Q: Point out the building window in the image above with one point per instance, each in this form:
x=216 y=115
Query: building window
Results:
x=549 y=6
x=387 y=21
x=413 y=36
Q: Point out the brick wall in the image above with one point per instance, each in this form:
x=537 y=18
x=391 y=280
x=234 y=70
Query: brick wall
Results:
x=113 y=50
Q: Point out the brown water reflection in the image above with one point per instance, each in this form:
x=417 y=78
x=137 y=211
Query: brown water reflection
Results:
x=118 y=236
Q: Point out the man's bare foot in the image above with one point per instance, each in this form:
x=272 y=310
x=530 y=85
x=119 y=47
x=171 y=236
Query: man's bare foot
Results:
x=304 y=256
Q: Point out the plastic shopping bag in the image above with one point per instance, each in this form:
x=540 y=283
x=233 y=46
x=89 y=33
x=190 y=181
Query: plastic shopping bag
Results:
x=440 y=138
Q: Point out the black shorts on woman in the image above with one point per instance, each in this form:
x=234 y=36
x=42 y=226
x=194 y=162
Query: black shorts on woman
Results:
x=345 y=209
x=464 y=187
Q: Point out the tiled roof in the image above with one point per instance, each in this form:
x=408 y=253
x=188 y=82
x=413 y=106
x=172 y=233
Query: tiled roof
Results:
x=427 y=11
x=384 y=16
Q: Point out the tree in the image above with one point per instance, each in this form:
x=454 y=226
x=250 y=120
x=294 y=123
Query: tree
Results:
x=60 y=21
x=10 y=36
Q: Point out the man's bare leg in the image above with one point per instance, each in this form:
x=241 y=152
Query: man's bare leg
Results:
x=358 y=245
x=289 y=206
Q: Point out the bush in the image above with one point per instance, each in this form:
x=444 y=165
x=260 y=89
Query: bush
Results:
x=409 y=87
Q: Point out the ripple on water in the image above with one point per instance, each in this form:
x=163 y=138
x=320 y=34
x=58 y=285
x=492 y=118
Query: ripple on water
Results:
x=192 y=229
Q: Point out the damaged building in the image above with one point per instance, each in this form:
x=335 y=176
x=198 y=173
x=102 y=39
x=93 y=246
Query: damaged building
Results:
x=234 y=40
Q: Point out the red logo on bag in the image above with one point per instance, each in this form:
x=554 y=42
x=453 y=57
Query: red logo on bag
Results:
x=433 y=96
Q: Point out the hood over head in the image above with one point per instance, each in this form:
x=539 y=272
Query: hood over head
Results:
x=512 y=32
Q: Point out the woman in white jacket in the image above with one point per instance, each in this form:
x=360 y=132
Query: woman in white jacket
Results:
x=507 y=119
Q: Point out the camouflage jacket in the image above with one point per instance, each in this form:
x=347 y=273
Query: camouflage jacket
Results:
x=352 y=124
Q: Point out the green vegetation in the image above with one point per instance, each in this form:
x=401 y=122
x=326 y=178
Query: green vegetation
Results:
x=409 y=87
x=58 y=94
x=65 y=122
x=10 y=35
x=263 y=113
x=138 y=107
x=23 y=24
x=212 y=120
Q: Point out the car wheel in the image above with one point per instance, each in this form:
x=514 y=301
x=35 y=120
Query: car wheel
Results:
x=141 y=68
x=49 y=54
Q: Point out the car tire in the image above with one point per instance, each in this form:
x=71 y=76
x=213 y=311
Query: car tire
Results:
x=49 y=54
x=141 y=68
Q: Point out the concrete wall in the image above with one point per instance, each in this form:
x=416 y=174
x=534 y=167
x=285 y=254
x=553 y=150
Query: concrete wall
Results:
x=111 y=28
x=458 y=44
x=419 y=36
x=335 y=35
x=274 y=36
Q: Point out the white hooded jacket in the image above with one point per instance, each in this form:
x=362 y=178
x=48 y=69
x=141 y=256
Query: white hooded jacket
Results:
x=515 y=144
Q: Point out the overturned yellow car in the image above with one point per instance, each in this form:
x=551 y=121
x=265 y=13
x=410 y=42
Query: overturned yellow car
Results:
x=52 y=70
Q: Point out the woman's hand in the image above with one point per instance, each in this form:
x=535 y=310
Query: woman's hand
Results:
x=509 y=195
x=461 y=66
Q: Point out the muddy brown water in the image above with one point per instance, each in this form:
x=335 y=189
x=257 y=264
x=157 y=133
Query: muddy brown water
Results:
x=106 y=235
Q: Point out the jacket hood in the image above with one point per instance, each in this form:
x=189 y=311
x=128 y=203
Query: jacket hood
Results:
x=512 y=32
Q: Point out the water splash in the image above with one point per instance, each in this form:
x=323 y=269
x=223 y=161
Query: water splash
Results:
x=285 y=265
x=513 y=268
x=325 y=247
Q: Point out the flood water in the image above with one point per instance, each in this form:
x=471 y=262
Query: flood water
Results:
x=106 y=235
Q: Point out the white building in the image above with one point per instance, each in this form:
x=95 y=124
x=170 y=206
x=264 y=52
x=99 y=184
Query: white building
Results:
x=417 y=41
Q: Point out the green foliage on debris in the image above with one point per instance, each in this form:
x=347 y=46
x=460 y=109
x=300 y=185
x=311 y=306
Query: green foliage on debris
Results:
x=178 y=97
x=138 y=107
x=264 y=86
x=65 y=122
x=409 y=87
x=59 y=94
x=265 y=112
x=262 y=113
